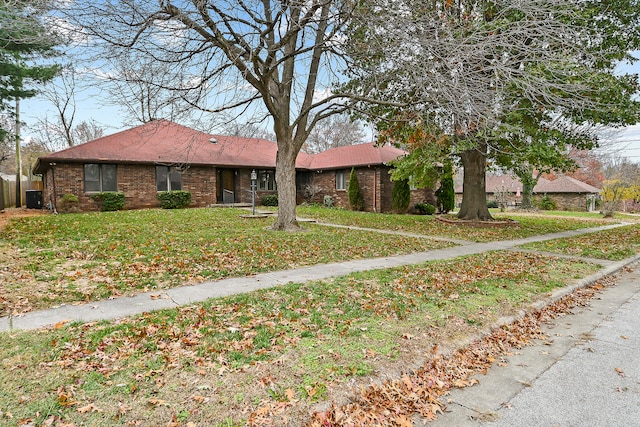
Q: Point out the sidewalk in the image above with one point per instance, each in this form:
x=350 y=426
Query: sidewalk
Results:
x=586 y=374
x=171 y=298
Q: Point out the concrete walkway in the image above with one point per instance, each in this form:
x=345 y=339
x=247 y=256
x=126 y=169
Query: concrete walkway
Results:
x=171 y=298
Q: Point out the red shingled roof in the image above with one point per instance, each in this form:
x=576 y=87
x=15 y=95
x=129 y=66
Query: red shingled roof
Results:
x=165 y=142
x=354 y=155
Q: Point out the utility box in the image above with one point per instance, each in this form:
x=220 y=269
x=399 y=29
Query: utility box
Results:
x=34 y=199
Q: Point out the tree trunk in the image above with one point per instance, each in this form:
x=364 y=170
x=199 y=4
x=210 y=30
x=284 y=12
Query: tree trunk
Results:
x=286 y=183
x=474 y=192
x=527 y=196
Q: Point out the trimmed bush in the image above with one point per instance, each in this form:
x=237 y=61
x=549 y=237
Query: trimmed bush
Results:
x=69 y=203
x=174 y=199
x=492 y=204
x=109 y=201
x=401 y=196
x=356 y=200
x=547 y=203
x=424 y=209
x=270 y=200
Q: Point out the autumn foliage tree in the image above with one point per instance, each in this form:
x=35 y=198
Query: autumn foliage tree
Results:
x=516 y=82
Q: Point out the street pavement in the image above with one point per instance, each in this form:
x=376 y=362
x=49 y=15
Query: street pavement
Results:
x=586 y=374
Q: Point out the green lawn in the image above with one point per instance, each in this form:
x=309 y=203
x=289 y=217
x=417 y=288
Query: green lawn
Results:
x=270 y=354
x=615 y=245
x=529 y=225
x=277 y=351
x=55 y=259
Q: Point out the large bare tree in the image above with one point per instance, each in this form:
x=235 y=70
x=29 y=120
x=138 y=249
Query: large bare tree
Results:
x=264 y=57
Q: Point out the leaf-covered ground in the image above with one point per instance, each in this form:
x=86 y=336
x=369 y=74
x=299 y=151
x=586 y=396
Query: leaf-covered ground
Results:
x=615 y=244
x=294 y=355
x=268 y=357
x=53 y=259
x=528 y=224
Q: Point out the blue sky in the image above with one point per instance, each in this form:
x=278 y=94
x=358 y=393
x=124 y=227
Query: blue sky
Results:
x=626 y=141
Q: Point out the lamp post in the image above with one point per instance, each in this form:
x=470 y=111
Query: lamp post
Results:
x=254 y=178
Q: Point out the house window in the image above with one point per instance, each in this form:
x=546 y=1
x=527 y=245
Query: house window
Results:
x=168 y=178
x=99 y=178
x=266 y=181
x=341 y=180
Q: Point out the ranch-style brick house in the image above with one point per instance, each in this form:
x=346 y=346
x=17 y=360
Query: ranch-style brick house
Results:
x=215 y=169
x=568 y=193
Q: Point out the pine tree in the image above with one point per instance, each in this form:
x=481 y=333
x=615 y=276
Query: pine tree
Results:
x=446 y=193
x=401 y=196
x=356 y=201
x=23 y=40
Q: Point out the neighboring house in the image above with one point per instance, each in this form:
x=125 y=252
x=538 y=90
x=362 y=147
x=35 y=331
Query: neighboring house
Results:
x=568 y=193
x=162 y=156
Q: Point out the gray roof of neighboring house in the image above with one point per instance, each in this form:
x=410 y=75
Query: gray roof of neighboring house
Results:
x=11 y=177
x=561 y=184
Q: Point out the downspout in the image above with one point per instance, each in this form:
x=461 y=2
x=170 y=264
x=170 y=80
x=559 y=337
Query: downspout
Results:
x=375 y=189
x=54 y=195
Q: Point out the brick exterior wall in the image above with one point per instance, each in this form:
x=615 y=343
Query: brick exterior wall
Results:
x=138 y=183
x=375 y=184
x=367 y=177
x=565 y=201
x=576 y=202
x=201 y=182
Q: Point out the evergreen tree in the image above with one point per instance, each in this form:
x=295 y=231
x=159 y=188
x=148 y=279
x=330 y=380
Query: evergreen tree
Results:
x=23 y=40
x=401 y=196
x=356 y=200
x=446 y=193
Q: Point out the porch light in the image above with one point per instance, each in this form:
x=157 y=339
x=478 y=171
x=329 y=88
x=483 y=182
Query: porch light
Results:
x=254 y=178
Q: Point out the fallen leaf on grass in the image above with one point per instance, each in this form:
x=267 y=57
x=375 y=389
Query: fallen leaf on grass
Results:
x=290 y=395
x=200 y=399
x=88 y=408
x=60 y=324
x=157 y=402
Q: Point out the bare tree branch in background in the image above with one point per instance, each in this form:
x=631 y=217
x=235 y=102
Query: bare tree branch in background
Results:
x=146 y=89
x=247 y=130
x=64 y=131
x=335 y=131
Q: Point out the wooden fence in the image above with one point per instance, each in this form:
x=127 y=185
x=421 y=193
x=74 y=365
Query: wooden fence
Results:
x=8 y=192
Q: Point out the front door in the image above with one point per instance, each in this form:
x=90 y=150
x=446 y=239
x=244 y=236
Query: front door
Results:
x=226 y=186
